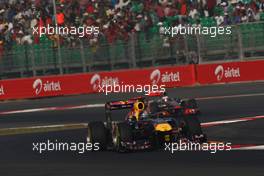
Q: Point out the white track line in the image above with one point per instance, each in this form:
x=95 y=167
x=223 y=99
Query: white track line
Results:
x=221 y=122
x=62 y=108
x=85 y=106
x=206 y=124
x=256 y=147
x=47 y=126
x=230 y=96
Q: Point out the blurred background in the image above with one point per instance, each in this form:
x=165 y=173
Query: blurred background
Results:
x=130 y=35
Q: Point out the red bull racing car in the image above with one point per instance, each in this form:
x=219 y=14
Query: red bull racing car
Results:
x=150 y=123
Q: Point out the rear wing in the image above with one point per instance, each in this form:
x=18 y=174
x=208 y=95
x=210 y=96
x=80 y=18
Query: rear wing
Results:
x=127 y=104
x=156 y=94
x=119 y=105
x=122 y=104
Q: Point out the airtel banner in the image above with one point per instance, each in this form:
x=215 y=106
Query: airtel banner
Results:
x=167 y=76
x=90 y=83
x=174 y=76
x=43 y=87
x=230 y=72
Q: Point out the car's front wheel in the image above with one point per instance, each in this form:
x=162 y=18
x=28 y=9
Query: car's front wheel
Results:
x=192 y=128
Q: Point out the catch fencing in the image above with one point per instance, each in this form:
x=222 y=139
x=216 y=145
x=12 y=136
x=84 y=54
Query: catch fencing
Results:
x=141 y=50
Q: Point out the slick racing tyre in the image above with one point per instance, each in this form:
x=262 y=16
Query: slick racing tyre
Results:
x=97 y=134
x=122 y=133
x=192 y=126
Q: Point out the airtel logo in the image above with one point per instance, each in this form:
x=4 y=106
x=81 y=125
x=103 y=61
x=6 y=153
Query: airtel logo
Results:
x=156 y=76
x=2 y=91
x=221 y=72
x=97 y=82
x=47 y=86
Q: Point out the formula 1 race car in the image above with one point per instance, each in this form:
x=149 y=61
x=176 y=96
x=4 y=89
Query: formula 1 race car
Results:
x=143 y=129
x=161 y=102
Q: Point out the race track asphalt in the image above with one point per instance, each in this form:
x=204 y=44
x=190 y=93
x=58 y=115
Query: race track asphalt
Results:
x=216 y=103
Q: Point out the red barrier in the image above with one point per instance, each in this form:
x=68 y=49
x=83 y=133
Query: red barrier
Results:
x=230 y=72
x=90 y=83
x=168 y=76
x=44 y=86
x=174 y=76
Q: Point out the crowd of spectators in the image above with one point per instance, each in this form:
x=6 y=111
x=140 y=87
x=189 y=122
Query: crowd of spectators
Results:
x=116 y=19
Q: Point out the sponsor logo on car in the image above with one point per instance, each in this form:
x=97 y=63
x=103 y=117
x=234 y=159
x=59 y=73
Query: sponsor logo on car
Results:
x=96 y=81
x=156 y=76
x=229 y=72
x=47 y=86
x=2 y=90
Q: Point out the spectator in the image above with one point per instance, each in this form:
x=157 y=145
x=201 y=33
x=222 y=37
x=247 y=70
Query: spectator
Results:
x=117 y=19
x=60 y=18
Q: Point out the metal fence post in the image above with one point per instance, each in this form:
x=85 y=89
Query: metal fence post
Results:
x=186 y=48
x=33 y=66
x=198 y=41
x=133 y=50
x=59 y=47
x=240 y=43
x=82 y=57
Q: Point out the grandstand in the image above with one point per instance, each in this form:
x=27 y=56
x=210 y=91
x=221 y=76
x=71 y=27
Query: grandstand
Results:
x=129 y=34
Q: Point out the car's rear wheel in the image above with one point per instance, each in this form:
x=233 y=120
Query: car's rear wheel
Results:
x=121 y=134
x=193 y=124
x=97 y=134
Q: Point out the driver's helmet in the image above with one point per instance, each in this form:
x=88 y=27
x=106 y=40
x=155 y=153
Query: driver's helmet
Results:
x=139 y=107
x=165 y=98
